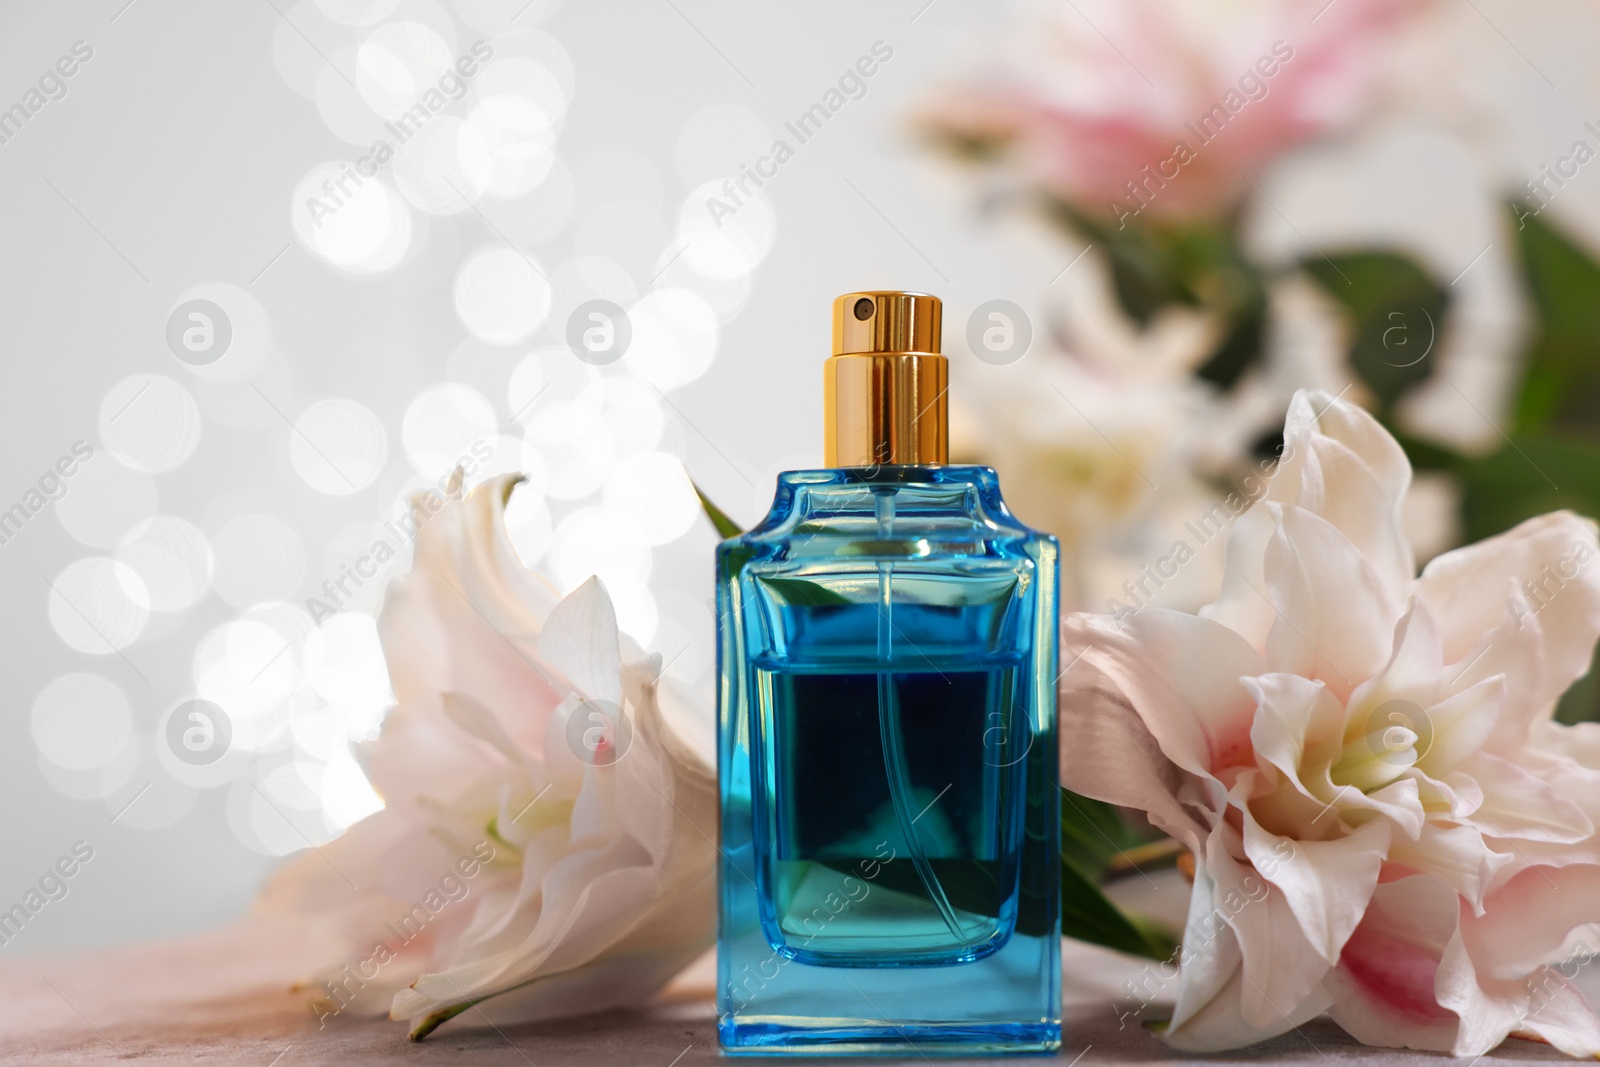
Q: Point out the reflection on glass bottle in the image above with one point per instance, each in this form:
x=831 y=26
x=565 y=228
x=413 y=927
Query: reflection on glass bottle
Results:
x=887 y=648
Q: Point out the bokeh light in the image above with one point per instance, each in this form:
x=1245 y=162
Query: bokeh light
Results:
x=81 y=721
x=344 y=664
x=445 y=425
x=576 y=446
x=528 y=524
x=356 y=223
x=256 y=558
x=98 y=605
x=338 y=447
x=674 y=338
x=397 y=64
x=172 y=559
x=150 y=422
x=501 y=296
x=725 y=235
x=444 y=167
x=650 y=497
x=247 y=667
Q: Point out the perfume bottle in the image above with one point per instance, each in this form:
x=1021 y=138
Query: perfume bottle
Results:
x=887 y=733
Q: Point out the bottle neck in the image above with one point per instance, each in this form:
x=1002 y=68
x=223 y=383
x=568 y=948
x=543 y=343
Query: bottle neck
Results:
x=886 y=409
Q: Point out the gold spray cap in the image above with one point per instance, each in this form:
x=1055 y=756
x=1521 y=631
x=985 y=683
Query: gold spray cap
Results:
x=884 y=386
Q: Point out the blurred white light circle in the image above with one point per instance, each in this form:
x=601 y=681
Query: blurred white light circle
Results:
x=81 y=721
x=528 y=524
x=150 y=422
x=102 y=501
x=576 y=446
x=726 y=296
x=589 y=543
x=98 y=605
x=264 y=824
x=170 y=555
x=398 y=64
x=358 y=12
x=546 y=377
x=634 y=415
x=256 y=558
x=523 y=78
x=501 y=296
x=94 y=783
x=345 y=794
x=637 y=614
x=444 y=167
x=246 y=667
x=345 y=665
x=527 y=386
x=650 y=497
x=519 y=139
x=674 y=338
x=352 y=221
x=318 y=730
x=543 y=49
x=686 y=637
x=721 y=238
x=338 y=447
x=442 y=425
x=508 y=455
x=718 y=140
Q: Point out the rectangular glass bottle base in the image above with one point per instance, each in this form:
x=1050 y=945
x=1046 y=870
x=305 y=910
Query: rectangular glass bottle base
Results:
x=866 y=1037
x=775 y=1004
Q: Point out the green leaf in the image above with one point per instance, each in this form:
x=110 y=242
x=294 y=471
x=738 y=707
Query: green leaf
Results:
x=1087 y=914
x=1093 y=834
x=1155 y=265
x=1561 y=387
x=1396 y=311
x=1530 y=475
x=801 y=593
x=725 y=526
x=1533 y=474
x=1241 y=346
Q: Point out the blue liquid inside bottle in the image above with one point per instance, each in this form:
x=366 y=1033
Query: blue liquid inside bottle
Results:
x=889 y=883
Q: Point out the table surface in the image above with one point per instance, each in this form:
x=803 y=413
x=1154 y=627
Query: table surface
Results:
x=139 y=1003
x=683 y=1037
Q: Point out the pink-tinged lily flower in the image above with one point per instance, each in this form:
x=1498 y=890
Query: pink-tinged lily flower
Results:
x=546 y=845
x=1117 y=106
x=1386 y=823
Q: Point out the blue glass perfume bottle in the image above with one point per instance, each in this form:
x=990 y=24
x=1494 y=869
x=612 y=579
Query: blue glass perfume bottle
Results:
x=887 y=733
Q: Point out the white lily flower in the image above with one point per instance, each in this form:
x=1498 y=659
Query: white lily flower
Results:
x=1386 y=822
x=527 y=747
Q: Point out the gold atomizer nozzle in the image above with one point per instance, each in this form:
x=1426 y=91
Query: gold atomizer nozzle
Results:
x=884 y=387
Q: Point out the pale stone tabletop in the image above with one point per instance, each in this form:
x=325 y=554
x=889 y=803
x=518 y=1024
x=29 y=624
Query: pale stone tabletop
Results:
x=97 y=1009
